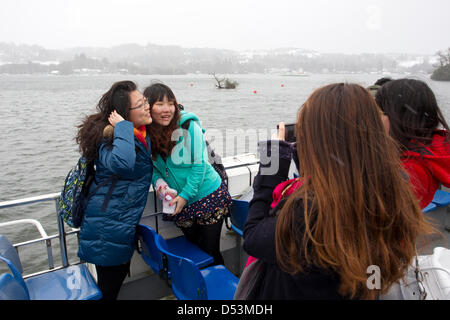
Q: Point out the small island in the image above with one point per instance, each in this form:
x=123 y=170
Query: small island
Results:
x=442 y=72
x=224 y=83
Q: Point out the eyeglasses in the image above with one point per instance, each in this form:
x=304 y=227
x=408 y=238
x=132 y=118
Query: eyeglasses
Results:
x=141 y=105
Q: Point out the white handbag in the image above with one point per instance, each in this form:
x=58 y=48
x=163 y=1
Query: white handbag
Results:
x=428 y=278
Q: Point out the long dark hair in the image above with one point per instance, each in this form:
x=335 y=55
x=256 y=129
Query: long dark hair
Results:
x=413 y=112
x=90 y=132
x=161 y=137
x=358 y=208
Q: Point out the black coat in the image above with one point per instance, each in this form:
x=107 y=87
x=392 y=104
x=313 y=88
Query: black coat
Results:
x=259 y=239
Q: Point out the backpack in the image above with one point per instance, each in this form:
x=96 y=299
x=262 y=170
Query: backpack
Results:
x=75 y=195
x=214 y=159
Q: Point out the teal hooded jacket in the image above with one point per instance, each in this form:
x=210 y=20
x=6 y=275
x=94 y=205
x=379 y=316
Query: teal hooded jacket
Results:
x=188 y=170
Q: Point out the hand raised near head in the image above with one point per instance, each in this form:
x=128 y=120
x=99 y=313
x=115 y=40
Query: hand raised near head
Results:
x=114 y=118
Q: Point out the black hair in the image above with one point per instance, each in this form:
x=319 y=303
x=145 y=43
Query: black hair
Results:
x=161 y=137
x=382 y=81
x=90 y=132
x=413 y=112
x=157 y=91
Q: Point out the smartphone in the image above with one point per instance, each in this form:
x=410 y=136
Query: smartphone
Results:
x=289 y=133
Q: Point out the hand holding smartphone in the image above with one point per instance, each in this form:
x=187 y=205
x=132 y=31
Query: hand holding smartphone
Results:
x=289 y=132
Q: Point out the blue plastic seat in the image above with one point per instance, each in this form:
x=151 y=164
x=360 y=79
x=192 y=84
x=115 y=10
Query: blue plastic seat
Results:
x=180 y=246
x=191 y=283
x=238 y=215
x=71 y=283
x=441 y=198
x=11 y=289
x=150 y=253
x=429 y=208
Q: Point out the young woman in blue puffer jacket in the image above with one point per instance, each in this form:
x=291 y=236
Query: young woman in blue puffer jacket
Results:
x=124 y=170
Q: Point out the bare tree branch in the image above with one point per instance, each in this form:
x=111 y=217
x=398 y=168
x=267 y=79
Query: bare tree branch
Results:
x=219 y=81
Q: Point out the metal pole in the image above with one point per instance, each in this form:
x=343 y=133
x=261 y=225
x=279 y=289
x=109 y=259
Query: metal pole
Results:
x=62 y=238
x=48 y=243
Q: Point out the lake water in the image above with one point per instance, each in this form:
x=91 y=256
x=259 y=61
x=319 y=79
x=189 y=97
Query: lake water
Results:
x=39 y=115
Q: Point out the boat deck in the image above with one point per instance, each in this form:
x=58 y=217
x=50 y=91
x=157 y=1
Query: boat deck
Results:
x=143 y=284
x=441 y=220
x=148 y=286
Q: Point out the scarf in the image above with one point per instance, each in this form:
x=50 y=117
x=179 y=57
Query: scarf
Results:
x=140 y=134
x=282 y=190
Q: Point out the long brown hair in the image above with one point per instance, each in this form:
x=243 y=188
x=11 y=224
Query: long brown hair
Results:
x=161 y=137
x=358 y=207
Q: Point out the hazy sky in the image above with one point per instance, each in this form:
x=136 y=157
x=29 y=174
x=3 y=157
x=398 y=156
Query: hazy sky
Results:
x=347 y=26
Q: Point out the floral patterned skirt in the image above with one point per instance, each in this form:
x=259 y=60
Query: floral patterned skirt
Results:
x=208 y=210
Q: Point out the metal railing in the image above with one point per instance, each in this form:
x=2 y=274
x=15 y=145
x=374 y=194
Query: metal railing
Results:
x=62 y=234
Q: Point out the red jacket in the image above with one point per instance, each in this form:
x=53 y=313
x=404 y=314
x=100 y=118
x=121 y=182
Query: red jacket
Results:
x=430 y=169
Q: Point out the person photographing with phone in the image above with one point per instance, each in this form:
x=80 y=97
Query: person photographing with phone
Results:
x=315 y=236
x=288 y=131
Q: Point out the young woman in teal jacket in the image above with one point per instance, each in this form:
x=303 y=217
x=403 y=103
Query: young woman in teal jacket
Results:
x=124 y=168
x=182 y=170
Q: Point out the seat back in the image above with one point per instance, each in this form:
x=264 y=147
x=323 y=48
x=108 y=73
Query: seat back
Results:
x=16 y=278
x=8 y=252
x=9 y=256
x=11 y=289
x=187 y=281
x=238 y=215
x=150 y=253
x=429 y=208
x=441 y=198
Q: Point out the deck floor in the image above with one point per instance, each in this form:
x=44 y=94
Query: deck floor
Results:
x=151 y=287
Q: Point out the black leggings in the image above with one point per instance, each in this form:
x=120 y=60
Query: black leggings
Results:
x=110 y=279
x=207 y=237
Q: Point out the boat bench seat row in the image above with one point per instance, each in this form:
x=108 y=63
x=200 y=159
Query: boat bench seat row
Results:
x=238 y=216
x=441 y=199
x=72 y=283
x=182 y=264
x=185 y=267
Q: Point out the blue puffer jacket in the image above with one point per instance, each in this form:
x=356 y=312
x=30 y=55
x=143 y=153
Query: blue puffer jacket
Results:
x=107 y=237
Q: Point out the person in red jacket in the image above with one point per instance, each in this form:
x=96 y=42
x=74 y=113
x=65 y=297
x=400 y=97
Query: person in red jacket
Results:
x=417 y=124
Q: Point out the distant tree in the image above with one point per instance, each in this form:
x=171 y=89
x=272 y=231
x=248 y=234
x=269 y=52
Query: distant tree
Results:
x=230 y=84
x=224 y=83
x=442 y=72
x=219 y=81
x=444 y=57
